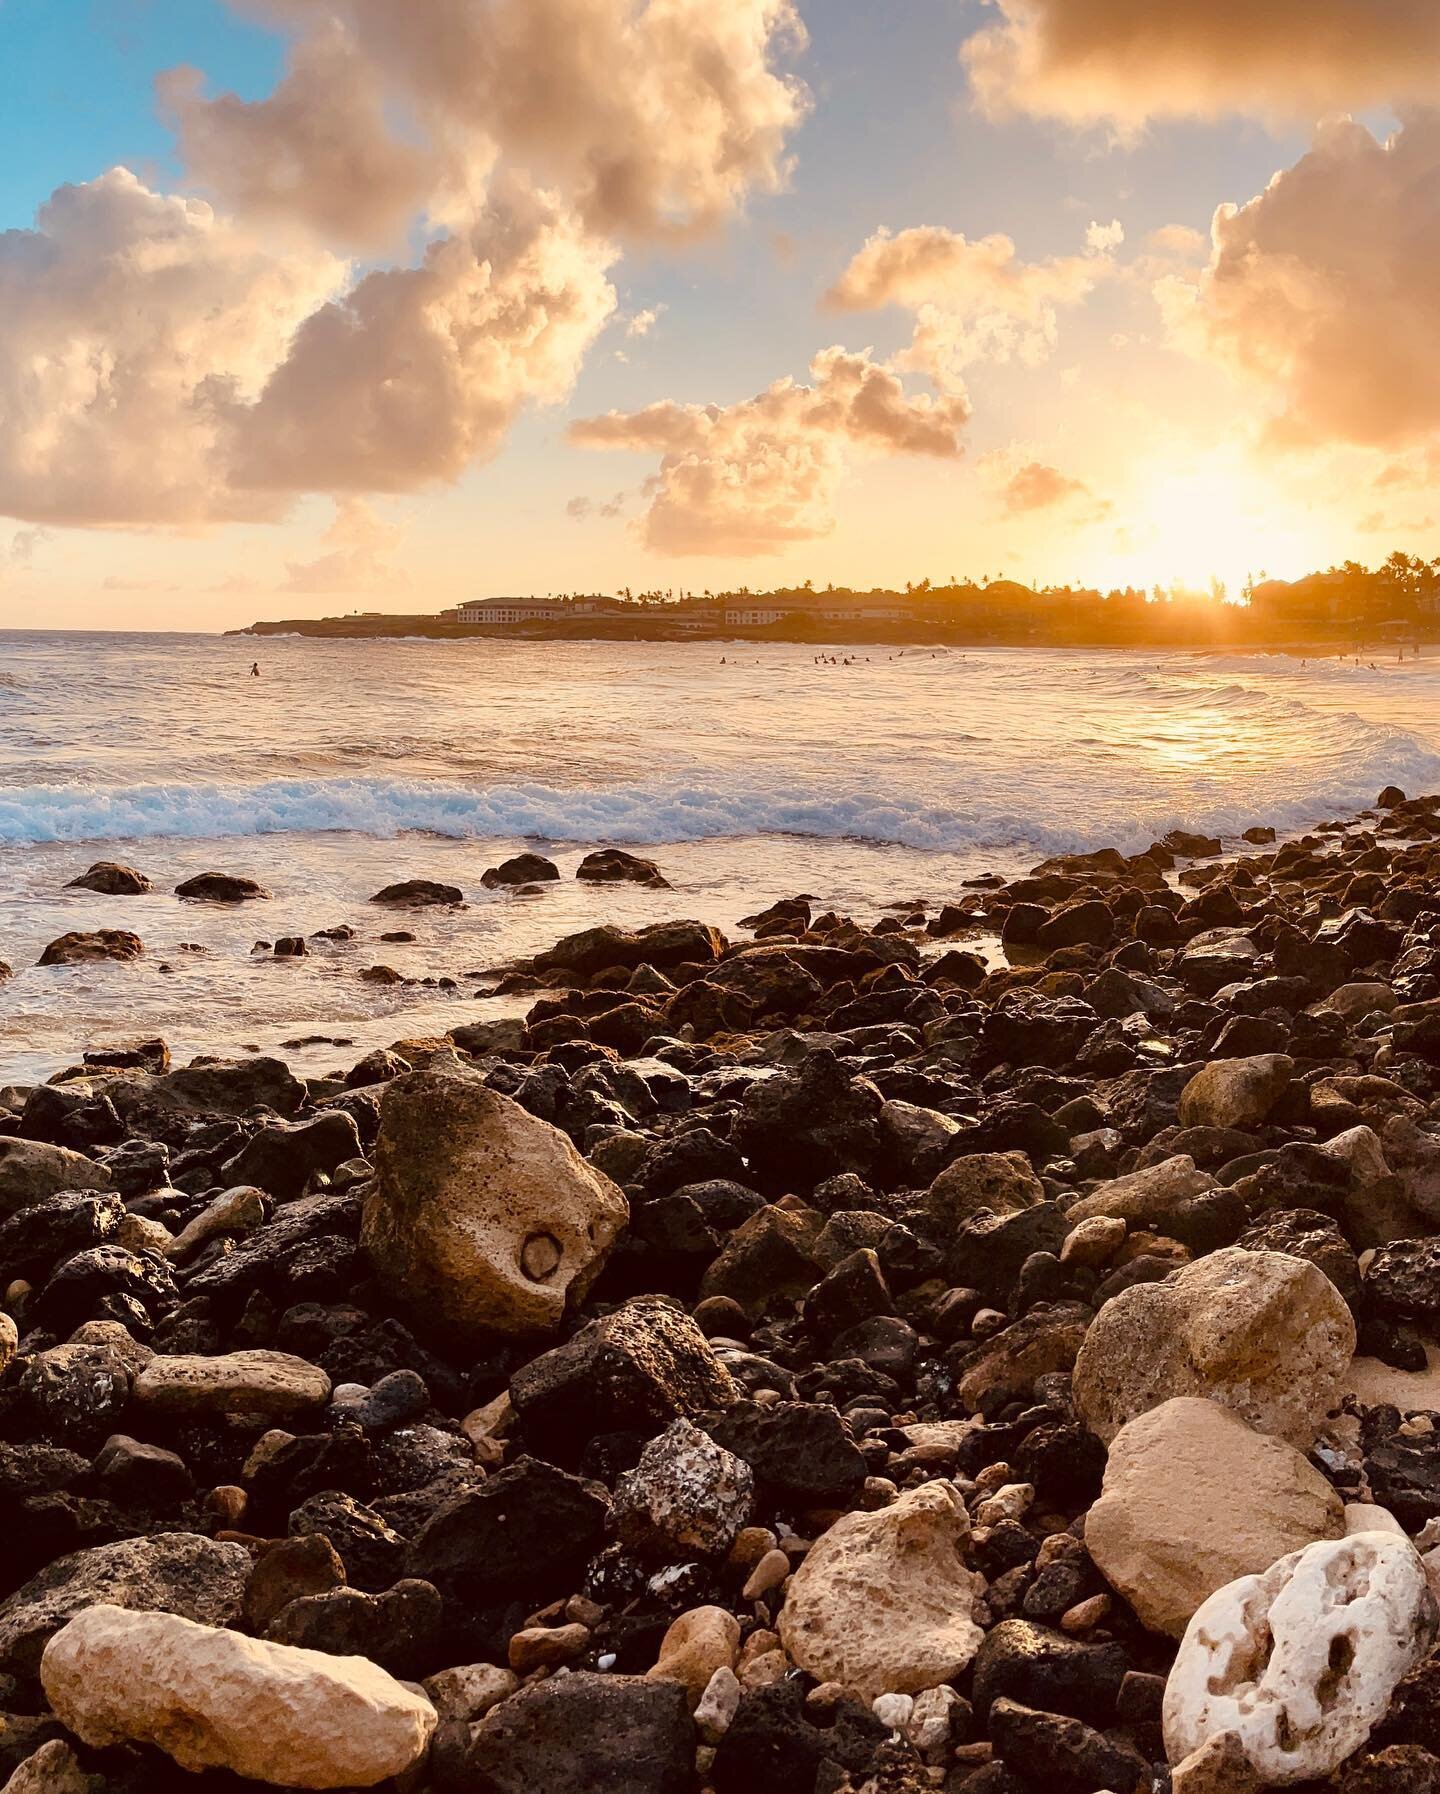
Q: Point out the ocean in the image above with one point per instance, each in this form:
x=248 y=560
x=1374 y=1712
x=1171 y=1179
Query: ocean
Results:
x=748 y=772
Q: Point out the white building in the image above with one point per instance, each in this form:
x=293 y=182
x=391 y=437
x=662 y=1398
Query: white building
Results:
x=511 y=610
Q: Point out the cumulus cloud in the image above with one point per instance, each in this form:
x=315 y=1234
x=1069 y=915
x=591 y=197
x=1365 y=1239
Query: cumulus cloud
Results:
x=1126 y=61
x=358 y=542
x=163 y=364
x=754 y=477
x=656 y=117
x=974 y=299
x=1323 y=292
x=133 y=321
x=319 y=150
x=419 y=372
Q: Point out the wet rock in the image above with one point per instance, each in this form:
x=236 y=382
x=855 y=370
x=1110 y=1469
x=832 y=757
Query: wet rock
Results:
x=521 y=869
x=1301 y=1661
x=1264 y=1334
x=177 y=1572
x=483 y=1218
x=882 y=1601
x=214 y=1699
x=663 y=946
x=634 y=1370
x=419 y=893
x=686 y=1496
x=1193 y=1499
x=612 y=865
x=585 y=1734
x=81 y=948
x=111 y=879
x=220 y=887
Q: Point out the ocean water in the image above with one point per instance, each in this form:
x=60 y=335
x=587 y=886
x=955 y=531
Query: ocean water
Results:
x=751 y=772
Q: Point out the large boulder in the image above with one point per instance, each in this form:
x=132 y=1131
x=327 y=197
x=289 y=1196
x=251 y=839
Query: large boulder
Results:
x=213 y=1699
x=483 y=1218
x=1262 y=1333
x=882 y=1602
x=177 y=1572
x=1236 y=1093
x=1299 y=1662
x=1193 y=1498
x=31 y=1171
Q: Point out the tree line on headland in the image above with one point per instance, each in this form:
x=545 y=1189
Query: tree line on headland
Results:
x=1349 y=608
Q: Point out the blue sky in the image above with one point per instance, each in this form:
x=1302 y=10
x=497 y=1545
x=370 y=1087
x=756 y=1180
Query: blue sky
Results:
x=891 y=140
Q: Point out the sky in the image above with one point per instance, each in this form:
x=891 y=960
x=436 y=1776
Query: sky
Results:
x=311 y=306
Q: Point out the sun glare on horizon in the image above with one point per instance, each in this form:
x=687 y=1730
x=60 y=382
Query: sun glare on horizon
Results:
x=1202 y=521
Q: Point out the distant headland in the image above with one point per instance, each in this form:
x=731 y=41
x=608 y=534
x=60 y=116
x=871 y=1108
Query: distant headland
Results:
x=1348 y=608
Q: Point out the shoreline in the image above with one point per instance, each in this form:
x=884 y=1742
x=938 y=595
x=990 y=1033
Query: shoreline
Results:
x=799 y=1386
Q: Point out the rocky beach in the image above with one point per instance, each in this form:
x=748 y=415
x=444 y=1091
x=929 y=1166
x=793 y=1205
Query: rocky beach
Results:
x=826 y=1359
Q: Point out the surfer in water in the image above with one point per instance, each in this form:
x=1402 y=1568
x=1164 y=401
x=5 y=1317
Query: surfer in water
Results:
x=254 y=669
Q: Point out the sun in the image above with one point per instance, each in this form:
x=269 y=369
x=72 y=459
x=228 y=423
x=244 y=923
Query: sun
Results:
x=1206 y=520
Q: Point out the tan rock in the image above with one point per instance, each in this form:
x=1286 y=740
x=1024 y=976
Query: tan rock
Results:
x=483 y=1217
x=1002 y=1182
x=1220 y=1766
x=1356 y=1001
x=469 y=1691
x=237 y=1211
x=1193 y=1499
x=697 y=1644
x=1260 y=1332
x=1236 y=1093
x=1093 y=1242
x=215 y=1699
x=883 y=1600
x=1145 y=1197
x=53 y=1769
x=234 y=1383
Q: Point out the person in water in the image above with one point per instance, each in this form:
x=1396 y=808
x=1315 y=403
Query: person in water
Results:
x=254 y=669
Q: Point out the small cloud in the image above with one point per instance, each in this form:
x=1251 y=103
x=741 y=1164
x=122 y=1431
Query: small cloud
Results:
x=20 y=552
x=358 y=541
x=582 y=508
x=1024 y=484
x=1104 y=239
x=117 y=582
x=644 y=322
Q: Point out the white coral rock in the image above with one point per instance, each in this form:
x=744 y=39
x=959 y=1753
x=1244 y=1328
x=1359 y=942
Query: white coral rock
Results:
x=1300 y=1662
